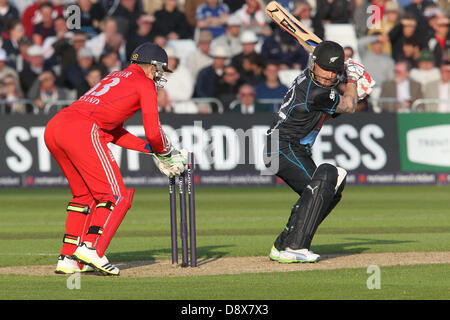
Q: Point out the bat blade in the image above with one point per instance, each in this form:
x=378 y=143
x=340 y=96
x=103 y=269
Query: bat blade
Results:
x=289 y=23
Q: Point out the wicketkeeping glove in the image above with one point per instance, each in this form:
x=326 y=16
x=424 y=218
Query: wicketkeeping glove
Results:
x=172 y=164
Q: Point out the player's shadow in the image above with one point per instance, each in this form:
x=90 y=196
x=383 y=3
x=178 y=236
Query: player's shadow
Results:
x=354 y=246
x=205 y=254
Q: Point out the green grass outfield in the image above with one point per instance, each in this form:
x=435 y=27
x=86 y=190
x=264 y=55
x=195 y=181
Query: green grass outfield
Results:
x=233 y=222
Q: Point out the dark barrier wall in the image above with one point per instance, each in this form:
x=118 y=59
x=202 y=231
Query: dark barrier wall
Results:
x=228 y=150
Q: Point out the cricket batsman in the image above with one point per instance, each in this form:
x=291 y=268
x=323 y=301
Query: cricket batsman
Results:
x=77 y=137
x=312 y=99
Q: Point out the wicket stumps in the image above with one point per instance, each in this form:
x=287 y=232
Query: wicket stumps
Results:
x=186 y=178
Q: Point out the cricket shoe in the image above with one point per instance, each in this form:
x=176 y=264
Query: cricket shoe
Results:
x=87 y=255
x=296 y=256
x=274 y=254
x=68 y=265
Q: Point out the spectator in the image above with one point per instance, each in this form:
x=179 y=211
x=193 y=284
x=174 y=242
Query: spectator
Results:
x=44 y=90
x=417 y=8
x=160 y=40
x=303 y=12
x=377 y=63
x=33 y=67
x=93 y=76
x=369 y=15
x=163 y=101
x=180 y=85
x=231 y=36
x=66 y=49
x=227 y=87
x=361 y=16
x=108 y=38
x=31 y=16
x=249 y=40
x=349 y=52
x=110 y=62
x=392 y=13
x=21 y=59
x=248 y=105
x=411 y=51
x=209 y=76
x=334 y=11
x=8 y=13
x=440 y=43
x=253 y=66
x=190 y=9
x=118 y=45
x=439 y=89
x=252 y=17
x=171 y=22
x=200 y=58
x=61 y=32
x=403 y=89
x=92 y=13
x=406 y=29
x=10 y=92
x=432 y=15
x=284 y=50
x=15 y=33
x=426 y=71
x=144 y=33
x=45 y=28
x=212 y=16
x=75 y=74
x=271 y=88
x=126 y=15
x=5 y=70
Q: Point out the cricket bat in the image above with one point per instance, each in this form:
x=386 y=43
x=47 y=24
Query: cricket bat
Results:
x=288 y=22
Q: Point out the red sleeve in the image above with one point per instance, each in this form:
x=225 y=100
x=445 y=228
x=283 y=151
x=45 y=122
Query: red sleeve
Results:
x=153 y=131
x=28 y=15
x=26 y=21
x=125 y=139
x=58 y=9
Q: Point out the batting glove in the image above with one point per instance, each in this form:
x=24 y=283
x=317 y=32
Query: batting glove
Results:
x=354 y=70
x=364 y=86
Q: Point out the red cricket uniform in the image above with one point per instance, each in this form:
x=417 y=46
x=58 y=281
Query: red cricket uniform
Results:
x=77 y=137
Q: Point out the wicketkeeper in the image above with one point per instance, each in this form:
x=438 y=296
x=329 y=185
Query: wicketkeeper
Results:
x=312 y=99
x=77 y=137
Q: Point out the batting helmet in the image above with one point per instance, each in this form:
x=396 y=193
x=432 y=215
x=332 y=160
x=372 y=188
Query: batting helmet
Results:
x=329 y=55
x=150 y=53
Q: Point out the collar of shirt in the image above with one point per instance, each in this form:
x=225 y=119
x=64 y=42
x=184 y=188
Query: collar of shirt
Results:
x=135 y=68
x=250 y=109
x=403 y=93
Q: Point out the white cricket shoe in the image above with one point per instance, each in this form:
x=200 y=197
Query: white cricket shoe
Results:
x=86 y=268
x=274 y=254
x=66 y=265
x=294 y=256
x=88 y=255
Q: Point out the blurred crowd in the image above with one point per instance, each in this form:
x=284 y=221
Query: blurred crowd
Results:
x=227 y=55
